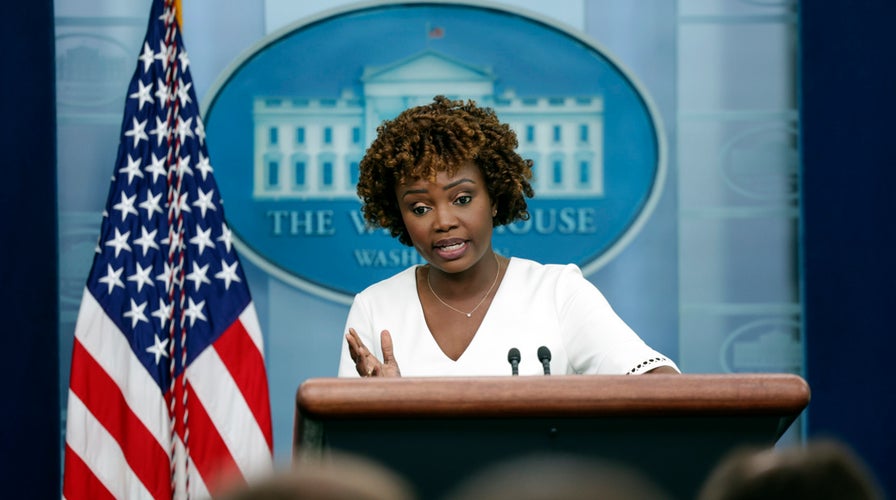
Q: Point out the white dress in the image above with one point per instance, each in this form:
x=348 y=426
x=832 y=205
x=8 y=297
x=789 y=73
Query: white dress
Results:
x=535 y=305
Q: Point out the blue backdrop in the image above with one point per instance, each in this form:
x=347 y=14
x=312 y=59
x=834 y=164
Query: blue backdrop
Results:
x=846 y=104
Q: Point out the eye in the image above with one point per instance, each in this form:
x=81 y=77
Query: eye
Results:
x=463 y=199
x=419 y=209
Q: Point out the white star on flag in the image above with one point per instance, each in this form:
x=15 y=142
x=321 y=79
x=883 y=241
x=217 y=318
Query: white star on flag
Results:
x=162 y=95
x=156 y=167
x=204 y=202
x=119 y=242
x=161 y=131
x=147 y=57
x=194 y=311
x=202 y=239
x=143 y=94
x=126 y=205
x=146 y=241
x=162 y=312
x=133 y=169
x=136 y=313
x=226 y=237
x=151 y=203
x=203 y=165
x=137 y=132
x=227 y=273
x=112 y=278
x=158 y=349
x=198 y=275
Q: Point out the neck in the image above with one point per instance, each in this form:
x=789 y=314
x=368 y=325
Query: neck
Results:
x=467 y=284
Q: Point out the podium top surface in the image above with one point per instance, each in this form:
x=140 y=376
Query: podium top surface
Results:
x=555 y=395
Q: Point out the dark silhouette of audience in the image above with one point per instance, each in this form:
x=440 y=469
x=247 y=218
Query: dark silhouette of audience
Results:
x=818 y=470
x=335 y=476
x=824 y=469
x=558 y=477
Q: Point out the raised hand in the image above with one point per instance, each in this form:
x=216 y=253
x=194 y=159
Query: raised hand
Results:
x=366 y=363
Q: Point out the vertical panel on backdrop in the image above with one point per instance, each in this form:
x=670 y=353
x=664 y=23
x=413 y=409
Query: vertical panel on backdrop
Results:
x=168 y=394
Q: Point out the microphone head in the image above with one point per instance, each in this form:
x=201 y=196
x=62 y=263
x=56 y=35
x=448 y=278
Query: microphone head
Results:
x=544 y=354
x=513 y=355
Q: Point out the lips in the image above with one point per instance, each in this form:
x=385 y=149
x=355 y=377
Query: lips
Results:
x=450 y=248
x=449 y=242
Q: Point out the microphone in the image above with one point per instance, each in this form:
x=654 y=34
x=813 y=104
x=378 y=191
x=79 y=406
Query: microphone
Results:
x=544 y=355
x=513 y=357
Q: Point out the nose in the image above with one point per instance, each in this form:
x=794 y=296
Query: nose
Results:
x=445 y=219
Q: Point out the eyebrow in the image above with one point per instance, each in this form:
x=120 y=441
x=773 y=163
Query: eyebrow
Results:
x=446 y=188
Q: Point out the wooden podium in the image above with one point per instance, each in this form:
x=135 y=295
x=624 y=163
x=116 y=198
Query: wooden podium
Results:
x=438 y=431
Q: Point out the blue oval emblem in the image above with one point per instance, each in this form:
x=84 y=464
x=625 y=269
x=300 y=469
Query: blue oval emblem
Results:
x=289 y=123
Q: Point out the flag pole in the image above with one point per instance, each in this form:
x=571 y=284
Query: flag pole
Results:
x=168 y=395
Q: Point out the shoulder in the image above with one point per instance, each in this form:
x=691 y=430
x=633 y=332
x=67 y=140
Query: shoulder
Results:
x=559 y=282
x=531 y=270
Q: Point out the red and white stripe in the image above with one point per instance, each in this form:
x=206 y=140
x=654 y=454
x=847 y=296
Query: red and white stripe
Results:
x=117 y=435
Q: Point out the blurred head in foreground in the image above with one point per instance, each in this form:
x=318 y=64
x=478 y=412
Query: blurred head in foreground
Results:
x=820 y=470
x=335 y=477
x=558 y=477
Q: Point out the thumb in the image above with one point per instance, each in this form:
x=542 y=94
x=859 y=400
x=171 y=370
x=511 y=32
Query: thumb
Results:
x=386 y=344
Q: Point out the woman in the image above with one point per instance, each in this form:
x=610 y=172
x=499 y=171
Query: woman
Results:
x=440 y=177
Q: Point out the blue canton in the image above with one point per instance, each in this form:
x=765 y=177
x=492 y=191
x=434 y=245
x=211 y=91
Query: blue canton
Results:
x=165 y=258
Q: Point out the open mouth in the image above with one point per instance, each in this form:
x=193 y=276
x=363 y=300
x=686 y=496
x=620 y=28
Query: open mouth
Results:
x=452 y=247
x=449 y=249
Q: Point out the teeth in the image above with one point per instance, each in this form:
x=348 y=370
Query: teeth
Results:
x=452 y=247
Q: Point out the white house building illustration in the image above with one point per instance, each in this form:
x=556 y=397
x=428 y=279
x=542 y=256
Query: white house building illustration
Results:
x=310 y=148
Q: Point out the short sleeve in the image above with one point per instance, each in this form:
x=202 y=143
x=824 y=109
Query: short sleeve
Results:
x=597 y=340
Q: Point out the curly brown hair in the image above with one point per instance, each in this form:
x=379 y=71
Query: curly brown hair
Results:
x=443 y=136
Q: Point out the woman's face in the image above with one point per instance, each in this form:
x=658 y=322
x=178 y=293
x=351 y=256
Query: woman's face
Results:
x=449 y=220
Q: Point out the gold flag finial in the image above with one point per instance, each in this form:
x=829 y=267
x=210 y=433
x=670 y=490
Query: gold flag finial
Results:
x=178 y=11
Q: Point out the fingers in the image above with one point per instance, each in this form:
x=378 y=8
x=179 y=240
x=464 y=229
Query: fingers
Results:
x=386 y=343
x=355 y=346
x=390 y=364
x=366 y=363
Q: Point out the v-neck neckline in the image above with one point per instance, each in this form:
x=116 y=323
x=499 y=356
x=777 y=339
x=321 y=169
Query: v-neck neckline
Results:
x=496 y=301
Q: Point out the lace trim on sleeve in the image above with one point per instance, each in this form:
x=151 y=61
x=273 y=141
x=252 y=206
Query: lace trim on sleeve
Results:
x=648 y=365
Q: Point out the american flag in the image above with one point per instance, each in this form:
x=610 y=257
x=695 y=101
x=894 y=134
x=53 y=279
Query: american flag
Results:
x=168 y=395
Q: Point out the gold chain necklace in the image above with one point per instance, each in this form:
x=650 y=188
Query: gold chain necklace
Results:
x=467 y=314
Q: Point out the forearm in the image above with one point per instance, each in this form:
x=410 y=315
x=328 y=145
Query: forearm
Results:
x=662 y=370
